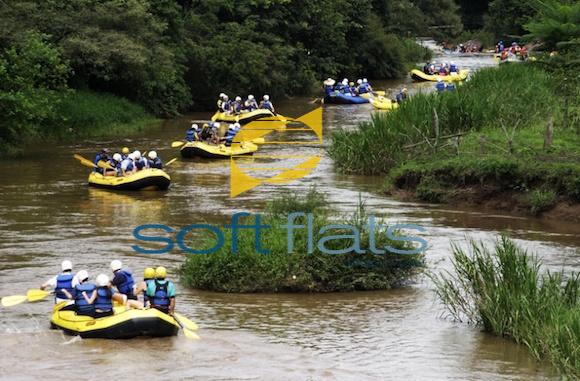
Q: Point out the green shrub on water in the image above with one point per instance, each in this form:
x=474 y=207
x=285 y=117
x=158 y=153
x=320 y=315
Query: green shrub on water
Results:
x=298 y=271
x=510 y=95
x=506 y=293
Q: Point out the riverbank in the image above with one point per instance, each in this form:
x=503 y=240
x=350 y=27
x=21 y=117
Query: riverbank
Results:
x=502 y=140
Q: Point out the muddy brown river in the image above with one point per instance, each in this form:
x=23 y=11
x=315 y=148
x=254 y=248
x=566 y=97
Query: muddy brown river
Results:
x=47 y=214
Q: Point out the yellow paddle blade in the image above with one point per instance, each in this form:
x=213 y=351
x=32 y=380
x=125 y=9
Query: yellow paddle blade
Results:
x=58 y=306
x=190 y=334
x=85 y=162
x=9 y=301
x=259 y=141
x=176 y=144
x=105 y=165
x=171 y=161
x=185 y=322
x=35 y=295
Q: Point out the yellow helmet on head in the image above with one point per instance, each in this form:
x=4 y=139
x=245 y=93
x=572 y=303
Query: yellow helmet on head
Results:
x=160 y=272
x=149 y=273
x=125 y=150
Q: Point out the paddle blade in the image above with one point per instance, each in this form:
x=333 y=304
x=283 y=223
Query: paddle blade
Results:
x=105 y=165
x=185 y=322
x=177 y=144
x=9 y=301
x=35 y=295
x=171 y=161
x=190 y=334
x=85 y=162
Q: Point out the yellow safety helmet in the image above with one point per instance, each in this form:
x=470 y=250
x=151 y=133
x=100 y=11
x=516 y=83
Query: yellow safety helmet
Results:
x=149 y=273
x=160 y=272
x=125 y=150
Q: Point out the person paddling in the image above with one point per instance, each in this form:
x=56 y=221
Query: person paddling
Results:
x=123 y=280
x=161 y=292
x=81 y=294
x=266 y=104
x=154 y=160
x=61 y=282
x=250 y=104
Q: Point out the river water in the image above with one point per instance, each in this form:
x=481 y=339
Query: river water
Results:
x=47 y=214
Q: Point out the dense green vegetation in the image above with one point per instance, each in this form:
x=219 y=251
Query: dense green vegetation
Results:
x=280 y=271
x=508 y=293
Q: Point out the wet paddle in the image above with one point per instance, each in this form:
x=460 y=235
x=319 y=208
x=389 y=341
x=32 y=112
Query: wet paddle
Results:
x=9 y=301
x=177 y=144
x=186 y=322
x=186 y=331
x=33 y=295
x=171 y=161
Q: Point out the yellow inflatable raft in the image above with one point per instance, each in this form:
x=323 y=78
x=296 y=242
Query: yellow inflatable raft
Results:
x=146 y=179
x=122 y=325
x=212 y=151
x=379 y=93
x=246 y=117
x=383 y=103
x=418 y=75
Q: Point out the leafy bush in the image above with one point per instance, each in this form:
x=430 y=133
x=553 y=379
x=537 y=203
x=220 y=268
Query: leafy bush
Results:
x=506 y=293
x=299 y=271
x=541 y=200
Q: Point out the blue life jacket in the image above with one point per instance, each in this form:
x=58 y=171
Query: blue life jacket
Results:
x=328 y=90
x=140 y=164
x=130 y=165
x=161 y=296
x=229 y=137
x=339 y=87
x=440 y=86
x=363 y=88
x=352 y=90
x=104 y=300
x=127 y=286
x=450 y=87
x=190 y=135
x=98 y=158
x=251 y=105
x=267 y=105
x=453 y=68
x=64 y=281
x=80 y=302
x=156 y=163
x=400 y=97
x=226 y=106
x=237 y=106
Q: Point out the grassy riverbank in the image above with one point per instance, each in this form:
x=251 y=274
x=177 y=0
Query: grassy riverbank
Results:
x=281 y=271
x=506 y=292
x=481 y=143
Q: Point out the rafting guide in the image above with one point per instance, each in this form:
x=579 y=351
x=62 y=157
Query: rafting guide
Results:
x=150 y=233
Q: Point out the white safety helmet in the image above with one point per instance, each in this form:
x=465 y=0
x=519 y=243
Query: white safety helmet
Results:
x=237 y=125
x=345 y=81
x=102 y=280
x=222 y=95
x=216 y=125
x=225 y=97
x=66 y=265
x=116 y=265
x=152 y=155
x=82 y=276
x=117 y=157
x=131 y=156
x=250 y=97
x=238 y=98
x=329 y=82
x=359 y=81
x=137 y=155
x=365 y=80
x=266 y=97
x=194 y=126
x=231 y=127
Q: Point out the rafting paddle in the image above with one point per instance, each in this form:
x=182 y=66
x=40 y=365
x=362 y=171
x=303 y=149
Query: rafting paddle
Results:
x=187 y=332
x=35 y=295
x=186 y=322
x=9 y=301
x=171 y=161
x=177 y=144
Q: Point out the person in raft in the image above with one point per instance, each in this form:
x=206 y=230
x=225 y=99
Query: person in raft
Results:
x=154 y=161
x=80 y=294
x=161 y=292
x=141 y=288
x=123 y=280
x=402 y=95
x=101 y=156
x=250 y=104
x=65 y=281
x=102 y=298
x=266 y=104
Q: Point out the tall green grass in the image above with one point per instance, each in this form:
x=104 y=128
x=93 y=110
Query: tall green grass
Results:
x=511 y=95
x=281 y=271
x=506 y=292
x=85 y=113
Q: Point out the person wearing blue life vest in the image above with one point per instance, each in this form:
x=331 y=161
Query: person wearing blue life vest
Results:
x=128 y=166
x=220 y=102
x=402 y=95
x=123 y=280
x=250 y=104
x=61 y=282
x=231 y=134
x=352 y=89
x=81 y=294
x=102 y=298
x=266 y=104
x=139 y=162
x=192 y=133
x=450 y=87
x=329 y=86
x=101 y=156
x=367 y=85
x=440 y=86
x=161 y=292
x=226 y=105
x=237 y=105
x=453 y=68
x=141 y=289
x=124 y=153
x=114 y=162
x=154 y=160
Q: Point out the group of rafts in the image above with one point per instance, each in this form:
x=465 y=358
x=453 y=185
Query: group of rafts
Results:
x=348 y=93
